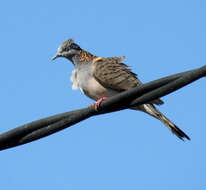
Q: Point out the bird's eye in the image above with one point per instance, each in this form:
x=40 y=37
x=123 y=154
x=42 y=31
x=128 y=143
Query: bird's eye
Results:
x=72 y=46
x=67 y=48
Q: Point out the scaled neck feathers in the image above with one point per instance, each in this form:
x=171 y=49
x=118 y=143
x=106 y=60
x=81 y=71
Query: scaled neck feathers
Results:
x=83 y=57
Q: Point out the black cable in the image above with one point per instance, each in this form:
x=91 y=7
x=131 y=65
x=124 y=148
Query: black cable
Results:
x=135 y=96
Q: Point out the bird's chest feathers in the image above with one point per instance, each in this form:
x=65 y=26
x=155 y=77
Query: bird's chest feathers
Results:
x=82 y=78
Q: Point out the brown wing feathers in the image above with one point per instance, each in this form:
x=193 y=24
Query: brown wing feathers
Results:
x=113 y=74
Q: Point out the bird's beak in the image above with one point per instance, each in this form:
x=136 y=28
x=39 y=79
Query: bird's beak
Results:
x=56 y=56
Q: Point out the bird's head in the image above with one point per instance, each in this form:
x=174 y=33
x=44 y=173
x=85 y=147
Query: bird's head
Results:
x=67 y=49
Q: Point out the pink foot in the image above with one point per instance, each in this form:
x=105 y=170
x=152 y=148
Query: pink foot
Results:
x=97 y=104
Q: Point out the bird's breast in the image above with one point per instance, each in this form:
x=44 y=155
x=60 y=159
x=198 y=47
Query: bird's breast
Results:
x=84 y=80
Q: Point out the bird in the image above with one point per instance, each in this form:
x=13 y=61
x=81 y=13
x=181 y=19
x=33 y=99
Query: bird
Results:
x=102 y=77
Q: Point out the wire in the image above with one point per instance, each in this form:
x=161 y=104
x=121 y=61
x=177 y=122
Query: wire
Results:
x=135 y=96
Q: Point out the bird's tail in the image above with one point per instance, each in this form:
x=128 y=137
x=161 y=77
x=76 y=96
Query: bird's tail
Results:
x=151 y=110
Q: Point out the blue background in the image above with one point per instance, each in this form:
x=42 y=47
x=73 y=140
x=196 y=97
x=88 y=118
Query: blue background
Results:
x=123 y=150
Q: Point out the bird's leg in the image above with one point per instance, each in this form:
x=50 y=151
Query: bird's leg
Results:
x=98 y=103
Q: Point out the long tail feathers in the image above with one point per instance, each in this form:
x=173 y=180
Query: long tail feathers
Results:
x=177 y=131
x=150 y=109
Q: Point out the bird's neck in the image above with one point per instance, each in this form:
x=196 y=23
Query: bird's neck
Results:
x=82 y=57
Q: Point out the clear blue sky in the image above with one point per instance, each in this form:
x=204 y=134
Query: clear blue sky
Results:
x=124 y=150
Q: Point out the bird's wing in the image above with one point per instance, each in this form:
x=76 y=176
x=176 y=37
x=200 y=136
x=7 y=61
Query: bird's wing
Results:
x=112 y=73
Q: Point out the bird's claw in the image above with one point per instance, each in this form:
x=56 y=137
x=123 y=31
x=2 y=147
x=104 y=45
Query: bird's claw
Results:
x=98 y=103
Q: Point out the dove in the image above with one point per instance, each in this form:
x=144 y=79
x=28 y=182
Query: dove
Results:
x=102 y=77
